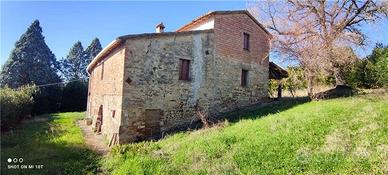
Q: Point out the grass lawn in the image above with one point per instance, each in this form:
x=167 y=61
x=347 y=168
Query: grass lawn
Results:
x=339 y=136
x=56 y=143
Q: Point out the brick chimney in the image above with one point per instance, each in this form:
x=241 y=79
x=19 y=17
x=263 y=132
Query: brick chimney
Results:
x=160 y=28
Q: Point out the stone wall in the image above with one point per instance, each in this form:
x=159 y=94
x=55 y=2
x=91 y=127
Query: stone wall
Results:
x=152 y=74
x=107 y=91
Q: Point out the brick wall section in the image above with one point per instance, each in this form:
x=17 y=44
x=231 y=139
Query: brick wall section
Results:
x=228 y=31
x=107 y=92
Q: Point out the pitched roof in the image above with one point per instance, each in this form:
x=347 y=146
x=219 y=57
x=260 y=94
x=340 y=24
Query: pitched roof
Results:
x=276 y=72
x=212 y=13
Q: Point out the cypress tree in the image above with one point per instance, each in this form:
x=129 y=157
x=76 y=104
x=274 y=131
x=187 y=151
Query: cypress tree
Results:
x=93 y=49
x=73 y=65
x=31 y=61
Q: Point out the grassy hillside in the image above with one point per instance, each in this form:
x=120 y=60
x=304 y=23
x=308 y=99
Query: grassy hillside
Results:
x=339 y=136
x=53 y=141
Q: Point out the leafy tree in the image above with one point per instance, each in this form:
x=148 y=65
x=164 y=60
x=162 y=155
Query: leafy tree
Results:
x=295 y=80
x=310 y=32
x=371 y=72
x=31 y=61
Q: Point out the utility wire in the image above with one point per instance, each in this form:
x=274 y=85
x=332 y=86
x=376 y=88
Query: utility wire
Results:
x=52 y=84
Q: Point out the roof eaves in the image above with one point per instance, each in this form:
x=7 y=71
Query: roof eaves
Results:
x=103 y=53
x=124 y=37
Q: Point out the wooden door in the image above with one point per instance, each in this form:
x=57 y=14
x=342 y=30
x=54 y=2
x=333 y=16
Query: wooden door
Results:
x=152 y=123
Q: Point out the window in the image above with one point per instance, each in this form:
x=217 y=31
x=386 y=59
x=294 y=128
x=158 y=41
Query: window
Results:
x=184 y=70
x=244 y=77
x=102 y=71
x=246 y=41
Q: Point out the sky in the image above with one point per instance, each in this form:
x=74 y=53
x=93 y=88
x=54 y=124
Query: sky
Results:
x=65 y=23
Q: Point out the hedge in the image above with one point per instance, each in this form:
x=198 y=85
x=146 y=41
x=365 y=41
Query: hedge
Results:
x=15 y=105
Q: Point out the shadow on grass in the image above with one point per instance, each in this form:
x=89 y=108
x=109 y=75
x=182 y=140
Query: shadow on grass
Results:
x=270 y=106
x=37 y=143
x=261 y=110
x=251 y=112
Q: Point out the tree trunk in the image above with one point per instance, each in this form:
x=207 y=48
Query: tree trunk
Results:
x=310 y=85
x=280 y=87
x=338 y=75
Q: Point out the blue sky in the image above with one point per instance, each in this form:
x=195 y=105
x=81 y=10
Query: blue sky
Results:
x=64 y=23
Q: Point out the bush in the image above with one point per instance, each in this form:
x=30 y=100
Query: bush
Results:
x=294 y=81
x=15 y=105
x=47 y=100
x=74 y=96
x=371 y=72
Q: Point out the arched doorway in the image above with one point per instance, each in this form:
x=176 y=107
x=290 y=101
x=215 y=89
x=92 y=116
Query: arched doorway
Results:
x=99 y=119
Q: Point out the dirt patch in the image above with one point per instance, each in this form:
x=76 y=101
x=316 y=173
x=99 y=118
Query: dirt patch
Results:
x=337 y=141
x=92 y=140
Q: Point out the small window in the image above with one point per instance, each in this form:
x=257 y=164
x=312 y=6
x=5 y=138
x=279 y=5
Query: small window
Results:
x=246 y=41
x=102 y=71
x=184 y=70
x=244 y=77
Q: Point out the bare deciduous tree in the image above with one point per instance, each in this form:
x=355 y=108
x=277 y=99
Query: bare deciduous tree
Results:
x=315 y=32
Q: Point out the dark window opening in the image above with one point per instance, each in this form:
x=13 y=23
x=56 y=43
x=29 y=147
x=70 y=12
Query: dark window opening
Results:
x=244 y=77
x=184 y=70
x=246 y=41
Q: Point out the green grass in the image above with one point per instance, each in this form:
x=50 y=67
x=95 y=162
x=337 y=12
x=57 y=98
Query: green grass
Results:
x=57 y=144
x=339 y=136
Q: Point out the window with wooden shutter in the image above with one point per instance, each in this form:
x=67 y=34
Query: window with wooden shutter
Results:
x=246 y=41
x=244 y=77
x=184 y=70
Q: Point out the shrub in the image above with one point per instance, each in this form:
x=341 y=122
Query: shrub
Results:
x=15 y=105
x=47 y=100
x=74 y=96
x=294 y=81
x=371 y=72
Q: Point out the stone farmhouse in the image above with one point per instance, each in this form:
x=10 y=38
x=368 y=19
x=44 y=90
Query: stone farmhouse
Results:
x=144 y=85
